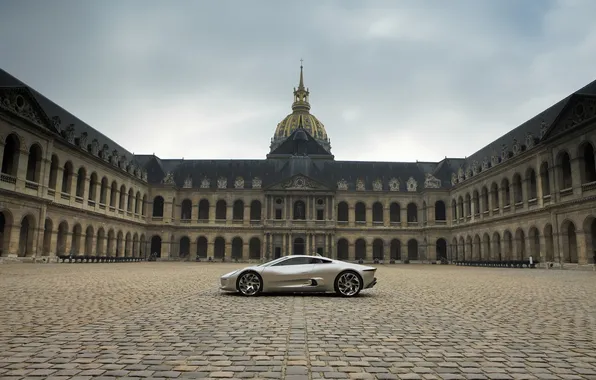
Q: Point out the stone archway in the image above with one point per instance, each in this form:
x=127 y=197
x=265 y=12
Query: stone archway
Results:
x=412 y=249
x=219 y=248
x=395 y=249
x=298 y=246
x=202 y=247
x=590 y=231
x=26 y=236
x=569 y=235
x=342 y=249
x=254 y=248
x=237 y=248
x=549 y=243
x=156 y=246
x=441 y=249
x=378 y=249
x=5 y=226
x=184 y=247
x=47 y=237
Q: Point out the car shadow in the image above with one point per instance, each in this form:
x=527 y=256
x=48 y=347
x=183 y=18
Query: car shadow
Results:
x=298 y=294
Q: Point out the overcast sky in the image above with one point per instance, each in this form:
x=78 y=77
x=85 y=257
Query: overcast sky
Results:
x=390 y=80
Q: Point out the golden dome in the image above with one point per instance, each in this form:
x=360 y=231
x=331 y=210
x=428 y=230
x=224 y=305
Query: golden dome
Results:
x=309 y=122
x=301 y=117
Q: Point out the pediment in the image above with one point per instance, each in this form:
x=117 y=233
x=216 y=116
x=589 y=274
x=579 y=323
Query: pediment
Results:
x=580 y=109
x=20 y=102
x=298 y=182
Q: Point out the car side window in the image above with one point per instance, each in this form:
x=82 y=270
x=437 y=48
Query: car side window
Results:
x=316 y=260
x=294 y=261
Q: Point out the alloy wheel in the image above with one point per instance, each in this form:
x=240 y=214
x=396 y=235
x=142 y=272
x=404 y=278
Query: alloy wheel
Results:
x=349 y=284
x=249 y=284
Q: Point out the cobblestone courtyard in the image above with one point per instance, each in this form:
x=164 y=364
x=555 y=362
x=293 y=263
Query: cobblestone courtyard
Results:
x=169 y=320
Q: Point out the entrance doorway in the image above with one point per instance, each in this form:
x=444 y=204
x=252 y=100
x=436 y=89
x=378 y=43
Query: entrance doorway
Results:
x=298 y=246
x=277 y=252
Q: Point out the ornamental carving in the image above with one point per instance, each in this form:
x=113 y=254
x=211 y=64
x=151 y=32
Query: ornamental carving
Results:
x=95 y=147
x=205 y=183
x=394 y=184
x=187 y=183
x=222 y=183
x=360 y=185
x=342 y=184
x=69 y=133
x=144 y=175
x=377 y=185
x=123 y=162
x=529 y=140
x=494 y=159
x=504 y=152
x=83 y=141
x=453 y=179
x=130 y=168
x=475 y=167
x=468 y=172
x=485 y=163
x=543 y=128
x=17 y=104
x=460 y=174
x=114 y=157
x=431 y=182
x=411 y=184
x=56 y=121
x=239 y=183
x=105 y=152
x=257 y=183
x=300 y=183
x=168 y=179
x=516 y=147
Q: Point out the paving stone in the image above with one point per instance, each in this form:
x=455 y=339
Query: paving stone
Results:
x=167 y=320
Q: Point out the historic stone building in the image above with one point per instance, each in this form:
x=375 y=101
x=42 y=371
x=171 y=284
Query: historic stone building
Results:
x=66 y=188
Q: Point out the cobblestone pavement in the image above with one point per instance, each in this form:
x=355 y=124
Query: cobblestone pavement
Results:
x=169 y=320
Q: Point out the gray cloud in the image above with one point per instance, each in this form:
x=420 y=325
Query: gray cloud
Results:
x=390 y=80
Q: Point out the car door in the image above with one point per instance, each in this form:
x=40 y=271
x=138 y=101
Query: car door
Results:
x=291 y=274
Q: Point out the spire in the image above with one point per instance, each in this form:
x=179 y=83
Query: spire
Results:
x=301 y=94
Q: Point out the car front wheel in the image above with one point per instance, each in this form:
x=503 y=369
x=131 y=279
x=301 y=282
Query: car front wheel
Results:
x=348 y=284
x=249 y=284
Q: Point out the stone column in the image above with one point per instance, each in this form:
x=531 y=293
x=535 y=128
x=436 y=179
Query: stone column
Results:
x=211 y=248
x=576 y=180
x=246 y=218
x=22 y=170
x=351 y=215
x=386 y=215
x=369 y=250
x=539 y=190
x=403 y=216
x=212 y=212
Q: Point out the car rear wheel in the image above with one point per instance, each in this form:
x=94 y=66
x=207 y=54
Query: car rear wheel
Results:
x=249 y=284
x=348 y=284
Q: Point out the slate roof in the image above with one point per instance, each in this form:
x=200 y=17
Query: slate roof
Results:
x=532 y=126
x=51 y=109
x=289 y=159
x=284 y=163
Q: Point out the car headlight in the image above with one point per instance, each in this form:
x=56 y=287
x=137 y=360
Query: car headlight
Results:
x=229 y=274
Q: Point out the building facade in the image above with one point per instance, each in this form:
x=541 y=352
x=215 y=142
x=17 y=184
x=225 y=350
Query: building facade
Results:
x=67 y=189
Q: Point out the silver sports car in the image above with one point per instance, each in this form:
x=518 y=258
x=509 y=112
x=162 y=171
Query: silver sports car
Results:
x=301 y=273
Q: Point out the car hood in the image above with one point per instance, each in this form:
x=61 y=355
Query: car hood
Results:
x=234 y=272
